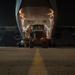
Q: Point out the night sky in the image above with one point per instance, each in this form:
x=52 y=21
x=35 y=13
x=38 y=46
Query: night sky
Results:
x=7 y=12
x=65 y=8
x=66 y=12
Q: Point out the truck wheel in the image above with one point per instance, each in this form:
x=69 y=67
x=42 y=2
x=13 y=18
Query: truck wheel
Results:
x=31 y=44
x=44 y=45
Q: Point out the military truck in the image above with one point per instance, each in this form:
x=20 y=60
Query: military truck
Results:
x=37 y=36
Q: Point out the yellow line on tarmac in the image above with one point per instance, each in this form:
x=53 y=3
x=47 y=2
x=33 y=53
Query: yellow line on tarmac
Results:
x=38 y=66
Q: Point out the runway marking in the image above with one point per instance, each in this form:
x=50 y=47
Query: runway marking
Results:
x=38 y=66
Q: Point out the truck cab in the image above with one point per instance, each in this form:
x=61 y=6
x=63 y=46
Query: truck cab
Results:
x=37 y=36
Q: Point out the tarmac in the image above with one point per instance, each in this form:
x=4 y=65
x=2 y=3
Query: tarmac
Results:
x=37 y=61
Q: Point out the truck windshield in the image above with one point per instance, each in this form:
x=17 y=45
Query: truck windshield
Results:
x=39 y=34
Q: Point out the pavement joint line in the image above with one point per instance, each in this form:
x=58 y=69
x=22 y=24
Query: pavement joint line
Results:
x=37 y=66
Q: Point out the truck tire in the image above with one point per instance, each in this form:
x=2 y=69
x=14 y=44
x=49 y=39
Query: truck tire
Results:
x=31 y=44
x=45 y=45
